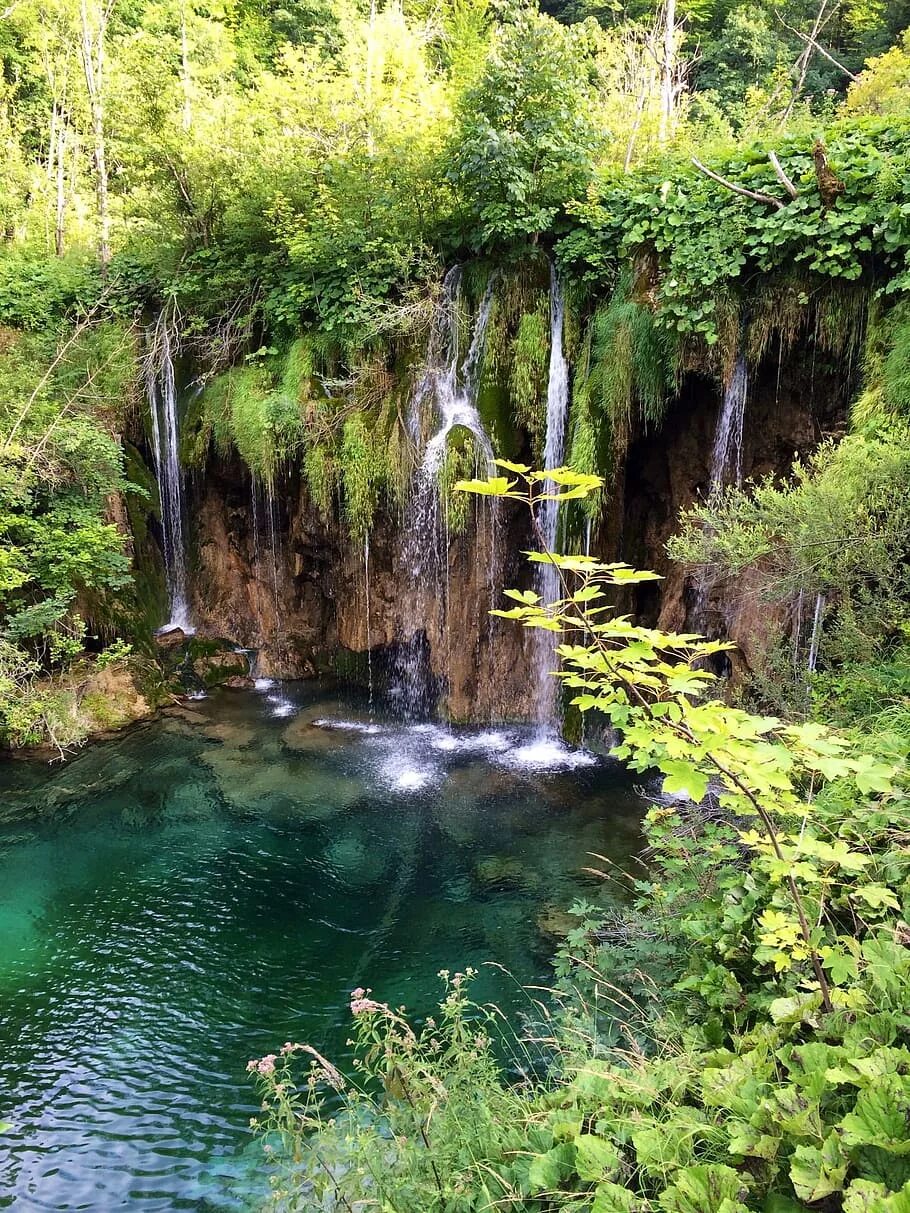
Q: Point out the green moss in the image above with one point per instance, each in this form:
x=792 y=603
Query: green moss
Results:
x=494 y=407
x=321 y=473
x=528 y=376
x=886 y=361
x=632 y=362
x=298 y=370
x=587 y=450
x=462 y=462
x=243 y=410
x=364 y=473
x=895 y=370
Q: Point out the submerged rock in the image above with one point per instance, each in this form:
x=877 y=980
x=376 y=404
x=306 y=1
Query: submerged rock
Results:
x=504 y=872
x=555 y=923
x=233 y=734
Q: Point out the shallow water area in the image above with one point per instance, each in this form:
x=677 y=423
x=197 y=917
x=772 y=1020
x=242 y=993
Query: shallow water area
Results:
x=208 y=886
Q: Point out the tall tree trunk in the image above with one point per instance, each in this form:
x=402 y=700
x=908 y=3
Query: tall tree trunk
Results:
x=668 y=71
x=93 y=36
x=60 y=208
x=185 y=70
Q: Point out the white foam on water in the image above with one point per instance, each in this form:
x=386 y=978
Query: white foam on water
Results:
x=348 y=726
x=493 y=740
x=412 y=779
x=263 y=684
x=472 y=743
x=546 y=753
x=281 y=706
x=198 y=695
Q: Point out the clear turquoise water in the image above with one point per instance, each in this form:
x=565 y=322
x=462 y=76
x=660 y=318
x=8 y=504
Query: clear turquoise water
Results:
x=198 y=891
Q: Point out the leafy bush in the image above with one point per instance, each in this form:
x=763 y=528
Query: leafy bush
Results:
x=59 y=465
x=775 y=1075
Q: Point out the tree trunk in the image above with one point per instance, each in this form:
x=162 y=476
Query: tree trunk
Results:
x=60 y=209
x=93 y=34
x=668 y=71
x=185 y=71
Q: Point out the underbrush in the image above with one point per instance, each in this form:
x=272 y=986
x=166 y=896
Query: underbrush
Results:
x=732 y=1090
x=739 y=1040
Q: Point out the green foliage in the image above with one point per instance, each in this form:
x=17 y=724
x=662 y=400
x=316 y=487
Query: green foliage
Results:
x=632 y=366
x=528 y=376
x=882 y=87
x=59 y=464
x=838 y=529
x=774 y=1075
x=703 y=237
x=363 y=474
x=37 y=292
x=526 y=134
x=243 y=409
x=894 y=381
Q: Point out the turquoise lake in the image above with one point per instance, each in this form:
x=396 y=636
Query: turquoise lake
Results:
x=207 y=886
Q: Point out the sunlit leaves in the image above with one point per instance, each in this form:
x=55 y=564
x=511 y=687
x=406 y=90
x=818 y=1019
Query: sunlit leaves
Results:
x=495 y=486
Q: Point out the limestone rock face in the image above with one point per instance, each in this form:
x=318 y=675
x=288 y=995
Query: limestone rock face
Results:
x=306 y=602
x=297 y=592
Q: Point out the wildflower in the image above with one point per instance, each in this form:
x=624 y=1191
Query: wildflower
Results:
x=360 y=1002
x=266 y=1065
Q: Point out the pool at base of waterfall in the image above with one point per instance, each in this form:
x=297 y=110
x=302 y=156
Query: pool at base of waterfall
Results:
x=196 y=892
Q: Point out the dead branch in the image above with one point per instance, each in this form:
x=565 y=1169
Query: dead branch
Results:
x=738 y=189
x=802 y=63
x=810 y=41
x=782 y=176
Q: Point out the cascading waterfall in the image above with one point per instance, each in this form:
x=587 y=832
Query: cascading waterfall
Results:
x=727 y=453
x=548 y=586
x=366 y=591
x=726 y=459
x=265 y=565
x=161 y=392
x=449 y=386
x=275 y=557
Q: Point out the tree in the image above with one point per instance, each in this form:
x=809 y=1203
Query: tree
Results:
x=652 y=687
x=94 y=16
x=525 y=137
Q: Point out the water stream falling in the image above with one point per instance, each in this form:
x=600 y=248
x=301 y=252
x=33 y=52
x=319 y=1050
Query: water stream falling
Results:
x=266 y=560
x=161 y=392
x=545 y=686
x=726 y=463
x=727 y=453
x=366 y=588
x=448 y=388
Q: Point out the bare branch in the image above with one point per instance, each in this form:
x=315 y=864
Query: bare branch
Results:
x=738 y=189
x=810 y=41
x=782 y=176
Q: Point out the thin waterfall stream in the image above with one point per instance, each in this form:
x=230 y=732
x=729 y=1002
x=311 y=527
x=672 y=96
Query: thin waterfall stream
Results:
x=547 y=575
x=161 y=393
x=448 y=388
x=727 y=452
x=726 y=459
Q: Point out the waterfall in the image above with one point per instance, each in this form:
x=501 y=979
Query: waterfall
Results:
x=161 y=392
x=726 y=464
x=448 y=389
x=366 y=588
x=455 y=390
x=275 y=556
x=816 y=632
x=548 y=585
x=727 y=453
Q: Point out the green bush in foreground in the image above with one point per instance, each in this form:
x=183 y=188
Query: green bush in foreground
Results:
x=775 y=1073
